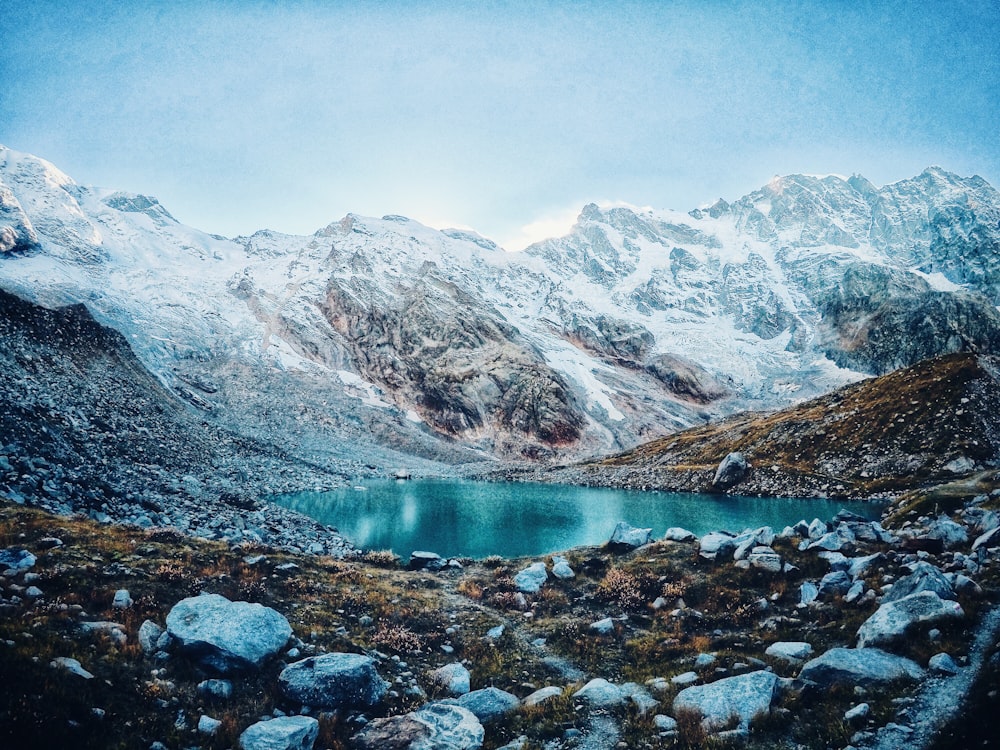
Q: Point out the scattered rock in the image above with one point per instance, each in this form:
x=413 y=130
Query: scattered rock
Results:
x=861 y=666
x=677 y=534
x=208 y=725
x=531 y=579
x=685 y=678
x=283 y=733
x=891 y=620
x=834 y=584
x=988 y=540
x=790 y=651
x=17 y=560
x=489 y=704
x=943 y=664
x=924 y=577
x=561 y=568
x=543 y=694
x=454 y=678
x=420 y=560
x=434 y=727
x=857 y=713
x=665 y=723
x=731 y=471
x=808 y=592
x=149 y=634
x=217 y=689
x=72 y=666
x=743 y=697
x=334 y=680
x=601 y=693
x=604 y=627
x=227 y=635
x=628 y=537
x=122 y=600
x=950 y=533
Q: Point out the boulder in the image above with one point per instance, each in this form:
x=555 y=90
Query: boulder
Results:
x=790 y=651
x=816 y=529
x=601 y=693
x=72 y=666
x=543 y=694
x=283 y=733
x=420 y=560
x=950 y=533
x=629 y=537
x=149 y=635
x=561 y=568
x=17 y=560
x=833 y=584
x=216 y=689
x=677 y=534
x=225 y=635
x=531 y=579
x=122 y=600
x=857 y=713
x=434 y=727
x=665 y=723
x=943 y=664
x=808 y=591
x=489 y=704
x=743 y=697
x=891 y=620
x=924 y=577
x=334 y=680
x=987 y=540
x=769 y=561
x=640 y=697
x=731 y=471
x=604 y=627
x=454 y=678
x=716 y=543
x=862 y=666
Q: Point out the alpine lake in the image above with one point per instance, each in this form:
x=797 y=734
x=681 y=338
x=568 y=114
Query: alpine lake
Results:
x=460 y=518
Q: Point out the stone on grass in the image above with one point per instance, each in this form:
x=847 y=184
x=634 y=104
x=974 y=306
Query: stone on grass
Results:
x=434 y=727
x=225 y=635
x=704 y=660
x=629 y=537
x=561 y=568
x=716 y=544
x=891 y=620
x=640 y=697
x=833 y=584
x=72 y=666
x=454 y=678
x=665 y=723
x=218 y=689
x=334 y=681
x=17 y=560
x=677 y=534
x=604 y=627
x=531 y=579
x=808 y=591
x=149 y=634
x=543 y=694
x=943 y=664
x=731 y=471
x=987 y=540
x=950 y=533
x=769 y=561
x=923 y=577
x=421 y=560
x=208 y=725
x=857 y=713
x=601 y=693
x=790 y=651
x=743 y=697
x=685 y=678
x=861 y=666
x=489 y=704
x=283 y=733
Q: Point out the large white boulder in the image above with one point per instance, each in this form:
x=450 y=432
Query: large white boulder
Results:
x=437 y=726
x=334 y=680
x=891 y=621
x=859 y=666
x=743 y=697
x=284 y=733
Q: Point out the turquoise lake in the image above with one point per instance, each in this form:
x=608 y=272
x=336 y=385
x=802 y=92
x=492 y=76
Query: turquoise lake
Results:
x=476 y=519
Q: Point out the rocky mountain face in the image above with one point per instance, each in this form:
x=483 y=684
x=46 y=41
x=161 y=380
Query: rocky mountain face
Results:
x=380 y=342
x=928 y=423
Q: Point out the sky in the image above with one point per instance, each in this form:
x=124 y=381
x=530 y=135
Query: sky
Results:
x=504 y=117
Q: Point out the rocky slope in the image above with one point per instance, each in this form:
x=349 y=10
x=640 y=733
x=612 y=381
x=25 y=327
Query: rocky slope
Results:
x=377 y=339
x=84 y=428
x=927 y=423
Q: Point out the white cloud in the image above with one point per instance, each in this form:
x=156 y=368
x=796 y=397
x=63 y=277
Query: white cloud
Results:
x=555 y=224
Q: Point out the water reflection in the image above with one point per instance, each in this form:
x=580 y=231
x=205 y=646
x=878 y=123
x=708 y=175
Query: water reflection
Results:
x=476 y=519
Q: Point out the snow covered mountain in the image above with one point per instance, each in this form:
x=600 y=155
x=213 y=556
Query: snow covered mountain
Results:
x=376 y=340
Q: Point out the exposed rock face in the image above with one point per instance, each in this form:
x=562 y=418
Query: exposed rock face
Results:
x=334 y=681
x=893 y=619
x=744 y=696
x=283 y=733
x=862 y=666
x=225 y=635
x=685 y=378
x=434 y=727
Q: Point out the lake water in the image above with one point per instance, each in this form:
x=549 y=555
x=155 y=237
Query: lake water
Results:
x=476 y=519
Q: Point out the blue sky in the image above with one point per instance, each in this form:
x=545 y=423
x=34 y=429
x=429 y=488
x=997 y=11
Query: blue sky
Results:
x=243 y=115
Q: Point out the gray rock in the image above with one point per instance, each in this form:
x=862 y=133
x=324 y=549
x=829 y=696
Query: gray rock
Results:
x=943 y=664
x=489 y=704
x=808 y=592
x=543 y=694
x=677 y=534
x=149 y=634
x=834 y=584
x=494 y=633
x=950 y=533
x=122 y=600
x=628 y=536
x=17 y=560
x=790 y=651
x=531 y=579
x=924 y=577
x=987 y=540
x=454 y=678
x=766 y=561
x=862 y=666
x=816 y=529
x=891 y=620
x=665 y=723
x=854 y=593
x=227 y=635
x=601 y=693
x=716 y=544
x=731 y=471
x=208 y=725
x=704 y=660
x=640 y=697
x=420 y=560
x=685 y=678
x=283 y=733
x=434 y=727
x=217 y=689
x=72 y=666
x=857 y=566
x=857 y=713
x=334 y=680
x=744 y=697
x=604 y=627
x=561 y=568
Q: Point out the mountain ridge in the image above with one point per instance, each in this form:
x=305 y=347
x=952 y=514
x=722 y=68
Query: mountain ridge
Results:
x=396 y=339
